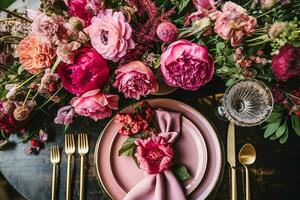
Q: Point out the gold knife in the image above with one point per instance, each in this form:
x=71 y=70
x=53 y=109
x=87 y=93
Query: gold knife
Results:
x=231 y=159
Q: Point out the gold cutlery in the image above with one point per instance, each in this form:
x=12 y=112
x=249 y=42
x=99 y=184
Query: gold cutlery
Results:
x=55 y=159
x=70 y=150
x=247 y=156
x=231 y=159
x=83 y=149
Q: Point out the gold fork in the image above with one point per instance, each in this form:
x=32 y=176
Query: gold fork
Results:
x=83 y=149
x=55 y=159
x=70 y=150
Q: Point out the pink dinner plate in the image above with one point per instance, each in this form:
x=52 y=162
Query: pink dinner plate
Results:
x=118 y=175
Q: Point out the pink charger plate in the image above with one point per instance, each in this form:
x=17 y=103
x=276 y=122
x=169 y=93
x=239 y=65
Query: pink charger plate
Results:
x=118 y=175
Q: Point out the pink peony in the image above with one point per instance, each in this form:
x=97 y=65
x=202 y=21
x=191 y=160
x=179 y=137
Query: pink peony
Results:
x=95 y=104
x=8 y=123
x=111 y=35
x=34 y=55
x=135 y=79
x=286 y=64
x=154 y=154
x=234 y=24
x=84 y=9
x=187 y=65
x=49 y=29
x=89 y=71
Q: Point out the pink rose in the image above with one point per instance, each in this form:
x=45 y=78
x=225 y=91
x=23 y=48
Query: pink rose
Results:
x=286 y=64
x=49 y=29
x=111 y=35
x=84 y=9
x=135 y=79
x=187 y=65
x=234 y=23
x=89 y=71
x=154 y=154
x=95 y=104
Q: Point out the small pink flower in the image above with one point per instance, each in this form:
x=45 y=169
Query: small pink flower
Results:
x=89 y=71
x=111 y=35
x=234 y=23
x=95 y=104
x=205 y=8
x=65 y=115
x=48 y=29
x=135 y=79
x=187 y=65
x=65 y=51
x=154 y=154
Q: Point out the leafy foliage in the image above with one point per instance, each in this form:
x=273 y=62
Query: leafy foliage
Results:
x=181 y=172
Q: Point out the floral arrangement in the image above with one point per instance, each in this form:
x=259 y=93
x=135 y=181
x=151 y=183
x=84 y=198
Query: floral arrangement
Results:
x=76 y=57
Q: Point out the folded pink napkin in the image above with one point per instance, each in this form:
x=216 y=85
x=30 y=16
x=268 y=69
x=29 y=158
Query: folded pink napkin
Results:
x=162 y=186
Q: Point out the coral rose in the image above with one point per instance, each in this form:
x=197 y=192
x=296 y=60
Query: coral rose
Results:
x=89 y=71
x=154 y=154
x=135 y=79
x=34 y=55
x=286 y=64
x=95 y=104
x=110 y=34
x=234 y=23
x=187 y=65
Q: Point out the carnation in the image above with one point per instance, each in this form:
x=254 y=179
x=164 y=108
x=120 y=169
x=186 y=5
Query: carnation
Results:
x=34 y=55
x=111 y=35
x=187 y=65
x=135 y=79
x=286 y=64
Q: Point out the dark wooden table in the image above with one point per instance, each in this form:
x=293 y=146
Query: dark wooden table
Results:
x=275 y=174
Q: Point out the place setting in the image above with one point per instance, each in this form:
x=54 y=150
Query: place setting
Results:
x=149 y=99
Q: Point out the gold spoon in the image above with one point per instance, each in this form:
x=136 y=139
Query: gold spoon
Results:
x=247 y=156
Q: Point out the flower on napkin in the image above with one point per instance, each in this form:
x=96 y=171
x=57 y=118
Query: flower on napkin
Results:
x=187 y=65
x=95 y=104
x=88 y=72
x=135 y=79
x=154 y=154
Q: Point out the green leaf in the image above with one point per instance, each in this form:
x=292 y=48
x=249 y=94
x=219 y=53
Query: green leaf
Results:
x=181 y=172
x=272 y=127
x=127 y=148
x=180 y=4
x=275 y=116
x=273 y=137
x=220 y=46
x=284 y=138
x=296 y=124
x=280 y=131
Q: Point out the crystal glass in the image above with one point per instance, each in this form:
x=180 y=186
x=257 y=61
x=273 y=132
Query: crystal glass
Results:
x=248 y=102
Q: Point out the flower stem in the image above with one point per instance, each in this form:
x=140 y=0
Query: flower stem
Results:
x=258 y=43
x=26 y=97
x=265 y=36
x=50 y=98
x=32 y=77
x=265 y=13
x=15 y=14
x=55 y=65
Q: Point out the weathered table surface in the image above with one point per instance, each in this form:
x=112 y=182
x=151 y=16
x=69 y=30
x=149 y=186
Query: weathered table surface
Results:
x=275 y=174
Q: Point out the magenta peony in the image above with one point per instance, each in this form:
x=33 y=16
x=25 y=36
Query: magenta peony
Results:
x=154 y=154
x=166 y=32
x=286 y=64
x=111 y=35
x=8 y=123
x=95 y=104
x=135 y=79
x=84 y=9
x=234 y=23
x=187 y=65
x=89 y=71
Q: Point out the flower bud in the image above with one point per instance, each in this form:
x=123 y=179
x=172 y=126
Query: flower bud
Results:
x=277 y=28
x=76 y=24
x=166 y=32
